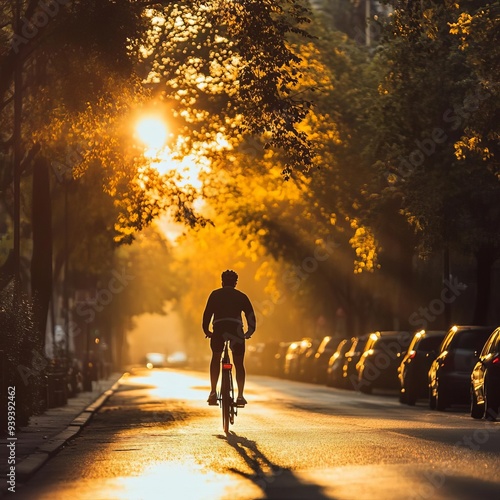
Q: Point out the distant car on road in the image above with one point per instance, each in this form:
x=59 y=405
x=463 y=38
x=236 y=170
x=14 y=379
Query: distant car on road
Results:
x=450 y=373
x=321 y=358
x=414 y=368
x=177 y=359
x=155 y=360
x=351 y=358
x=378 y=365
x=280 y=358
x=334 y=370
x=306 y=360
x=293 y=357
x=485 y=380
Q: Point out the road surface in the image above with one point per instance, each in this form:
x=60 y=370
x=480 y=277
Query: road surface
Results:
x=157 y=438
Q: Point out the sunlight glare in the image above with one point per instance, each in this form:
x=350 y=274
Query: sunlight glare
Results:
x=152 y=131
x=188 y=168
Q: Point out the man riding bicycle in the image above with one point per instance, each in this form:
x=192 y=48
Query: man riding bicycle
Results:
x=225 y=306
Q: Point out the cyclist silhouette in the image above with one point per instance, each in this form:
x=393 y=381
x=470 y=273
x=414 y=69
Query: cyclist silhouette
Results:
x=225 y=306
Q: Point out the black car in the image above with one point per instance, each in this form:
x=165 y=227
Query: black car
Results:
x=334 y=370
x=306 y=361
x=322 y=357
x=485 y=380
x=279 y=361
x=450 y=373
x=351 y=358
x=294 y=355
x=378 y=365
x=414 y=368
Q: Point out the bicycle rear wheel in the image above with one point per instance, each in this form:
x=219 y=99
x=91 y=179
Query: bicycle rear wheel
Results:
x=226 y=400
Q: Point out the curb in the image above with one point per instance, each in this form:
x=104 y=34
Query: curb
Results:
x=32 y=463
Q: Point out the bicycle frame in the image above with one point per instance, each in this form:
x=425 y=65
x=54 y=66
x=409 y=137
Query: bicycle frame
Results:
x=226 y=395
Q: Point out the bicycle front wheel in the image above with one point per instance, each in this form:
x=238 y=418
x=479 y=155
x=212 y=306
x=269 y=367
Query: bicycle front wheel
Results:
x=226 y=400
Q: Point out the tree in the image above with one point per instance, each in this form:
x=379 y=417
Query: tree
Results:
x=436 y=132
x=228 y=69
x=79 y=81
x=320 y=214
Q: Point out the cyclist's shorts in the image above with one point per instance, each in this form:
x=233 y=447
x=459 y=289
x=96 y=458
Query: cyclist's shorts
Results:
x=237 y=343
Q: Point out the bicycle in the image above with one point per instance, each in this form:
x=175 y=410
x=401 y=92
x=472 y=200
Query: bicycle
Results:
x=226 y=394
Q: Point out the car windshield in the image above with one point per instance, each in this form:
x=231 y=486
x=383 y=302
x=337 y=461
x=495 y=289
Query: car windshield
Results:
x=360 y=345
x=470 y=340
x=429 y=344
x=390 y=342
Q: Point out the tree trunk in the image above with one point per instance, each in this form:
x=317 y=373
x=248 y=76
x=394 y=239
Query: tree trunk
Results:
x=485 y=258
x=41 y=262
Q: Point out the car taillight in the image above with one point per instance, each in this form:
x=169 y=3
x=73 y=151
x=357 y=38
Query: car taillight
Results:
x=496 y=360
x=227 y=366
x=412 y=354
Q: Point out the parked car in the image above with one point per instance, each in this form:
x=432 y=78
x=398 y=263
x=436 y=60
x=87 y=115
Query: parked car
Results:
x=334 y=370
x=321 y=357
x=351 y=358
x=306 y=360
x=414 y=368
x=269 y=358
x=485 y=380
x=378 y=365
x=280 y=358
x=292 y=357
x=450 y=373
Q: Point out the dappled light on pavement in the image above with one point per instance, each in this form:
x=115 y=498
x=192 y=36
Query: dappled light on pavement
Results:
x=168 y=384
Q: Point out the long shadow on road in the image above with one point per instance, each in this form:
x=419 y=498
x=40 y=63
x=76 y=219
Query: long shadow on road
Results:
x=273 y=480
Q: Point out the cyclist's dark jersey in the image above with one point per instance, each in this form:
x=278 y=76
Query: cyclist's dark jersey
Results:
x=225 y=305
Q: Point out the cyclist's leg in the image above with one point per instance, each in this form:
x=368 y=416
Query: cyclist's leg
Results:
x=240 y=372
x=217 y=345
x=238 y=348
x=214 y=370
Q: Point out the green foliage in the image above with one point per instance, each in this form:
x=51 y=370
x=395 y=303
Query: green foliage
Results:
x=436 y=129
x=227 y=68
x=22 y=362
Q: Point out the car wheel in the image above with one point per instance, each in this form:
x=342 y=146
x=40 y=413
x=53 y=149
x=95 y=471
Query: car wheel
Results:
x=411 y=393
x=432 y=400
x=403 y=397
x=411 y=399
x=491 y=407
x=365 y=387
x=441 y=403
x=476 y=411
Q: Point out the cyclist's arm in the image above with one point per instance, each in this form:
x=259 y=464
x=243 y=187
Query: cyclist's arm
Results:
x=251 y=320
x=207 y=317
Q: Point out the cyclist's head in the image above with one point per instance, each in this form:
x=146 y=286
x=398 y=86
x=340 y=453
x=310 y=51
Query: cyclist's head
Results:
x=229 y=278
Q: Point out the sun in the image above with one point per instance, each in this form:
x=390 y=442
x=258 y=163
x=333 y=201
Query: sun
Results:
x=152 y=131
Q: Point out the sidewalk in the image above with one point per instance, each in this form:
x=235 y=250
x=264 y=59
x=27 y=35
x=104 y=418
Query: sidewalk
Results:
x=46 y=434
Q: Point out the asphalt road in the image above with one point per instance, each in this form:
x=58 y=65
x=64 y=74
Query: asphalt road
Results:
x=157 y=438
